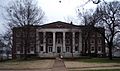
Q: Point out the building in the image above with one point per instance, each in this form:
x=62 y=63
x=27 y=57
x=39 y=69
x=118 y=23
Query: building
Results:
x=57 y=38
x=116 y=52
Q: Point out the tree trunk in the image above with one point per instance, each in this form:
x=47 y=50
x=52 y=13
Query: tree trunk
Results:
x=110 y=51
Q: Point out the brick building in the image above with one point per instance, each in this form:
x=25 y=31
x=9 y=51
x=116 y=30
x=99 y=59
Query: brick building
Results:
x=57 y=38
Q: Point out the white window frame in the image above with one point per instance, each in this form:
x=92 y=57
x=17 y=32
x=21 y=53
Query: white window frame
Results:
x=77 y=48
x=18 y=50
x=50 y=49
x=49 y=39
x=68 y=41
x=99 y=47
x=92 y=47
x=93 y=35
x=68 y=49
x=59 y=40
x=42 y=48
x=92 y=41
x=99 y=41
x=99 y=35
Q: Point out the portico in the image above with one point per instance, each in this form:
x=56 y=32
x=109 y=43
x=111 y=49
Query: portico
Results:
x=59 y=41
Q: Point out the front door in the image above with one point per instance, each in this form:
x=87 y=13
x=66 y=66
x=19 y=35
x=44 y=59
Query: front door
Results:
x=59 y=49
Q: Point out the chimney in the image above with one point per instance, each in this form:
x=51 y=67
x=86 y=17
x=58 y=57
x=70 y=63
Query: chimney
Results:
x=71 y=22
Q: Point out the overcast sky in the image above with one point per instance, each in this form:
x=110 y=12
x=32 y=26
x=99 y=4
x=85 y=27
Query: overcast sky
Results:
x=55 y=10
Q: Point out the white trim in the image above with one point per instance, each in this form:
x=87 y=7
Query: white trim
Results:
x=18 y=52
x=59 y=39
x=58 y=30
x=32 y=52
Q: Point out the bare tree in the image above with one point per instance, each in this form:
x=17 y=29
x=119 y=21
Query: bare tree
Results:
x=88 y=18
x=109 y=18
x=23 y=13
x=93 y=1
x=5 y=39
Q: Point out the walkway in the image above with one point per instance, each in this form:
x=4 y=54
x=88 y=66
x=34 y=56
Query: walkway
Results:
x=59 y=65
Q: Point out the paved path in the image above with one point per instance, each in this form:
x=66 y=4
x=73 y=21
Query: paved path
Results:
x=59 y=65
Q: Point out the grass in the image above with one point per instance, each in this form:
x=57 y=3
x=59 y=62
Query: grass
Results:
x=99 y=70
x=96 y=60
x=31 y=63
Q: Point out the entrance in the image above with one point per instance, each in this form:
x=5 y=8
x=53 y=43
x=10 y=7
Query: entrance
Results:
x=59 y=49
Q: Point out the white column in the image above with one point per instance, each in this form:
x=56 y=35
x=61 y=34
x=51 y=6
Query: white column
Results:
x=44 y=41
x=64 y=48
x=37 y=42
x=53 y=41
x=80 y=41
x=73 y=41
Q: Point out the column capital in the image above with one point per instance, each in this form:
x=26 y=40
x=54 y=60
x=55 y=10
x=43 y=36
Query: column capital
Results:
x=53 y=32
x=73 y=32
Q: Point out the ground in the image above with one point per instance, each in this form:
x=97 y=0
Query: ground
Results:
x=95 y=64
x=92 y=64
x=27 y=65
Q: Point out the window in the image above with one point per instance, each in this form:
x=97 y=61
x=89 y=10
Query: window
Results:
x=41 y=48
x=99 y=48
x=99 y=41
x=58 y=40
x=50 y=41
x=1 y=51
x=18 y=34
x=41 y=41
x=67 y=49
x=67 y=41
x=50 y=48
x=32 y=48
x=18 y=48
x=92 y=41
x=76 y=40
x=99 y=35
x=76 y=48
x=28 y=50
x=32 y=34
x=93 y=35
x=92 y=48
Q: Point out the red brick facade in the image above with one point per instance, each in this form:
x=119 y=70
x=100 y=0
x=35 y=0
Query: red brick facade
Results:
x=27 y=39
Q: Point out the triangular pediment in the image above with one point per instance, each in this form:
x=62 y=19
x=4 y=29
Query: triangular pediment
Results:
x=59 y=24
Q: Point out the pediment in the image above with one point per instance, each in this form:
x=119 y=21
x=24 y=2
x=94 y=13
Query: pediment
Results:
x=59 y=24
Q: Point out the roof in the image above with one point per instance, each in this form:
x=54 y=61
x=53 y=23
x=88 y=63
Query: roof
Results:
x=59 y=24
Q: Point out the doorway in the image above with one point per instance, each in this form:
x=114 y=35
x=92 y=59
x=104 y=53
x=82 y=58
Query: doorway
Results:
x=58 y=49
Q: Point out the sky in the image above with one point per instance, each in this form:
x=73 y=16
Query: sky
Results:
x=65 y=11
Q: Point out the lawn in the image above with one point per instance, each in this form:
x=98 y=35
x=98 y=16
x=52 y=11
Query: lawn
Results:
x=96 y=60
x=23 y=64
x=99 y=70
x=93 y=63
